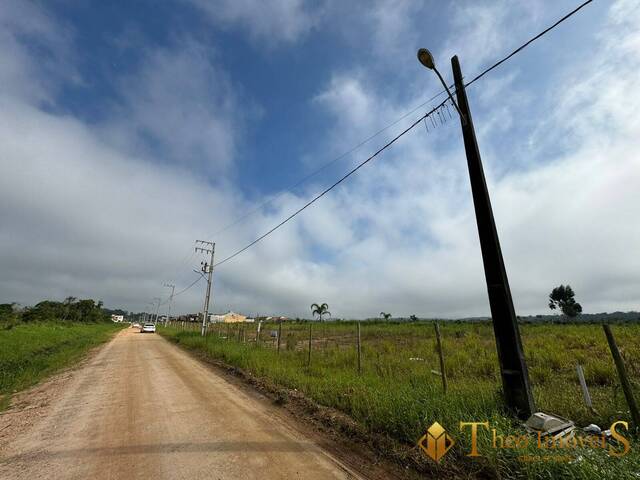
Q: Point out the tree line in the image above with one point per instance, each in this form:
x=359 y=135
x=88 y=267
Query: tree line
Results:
x=70 y=309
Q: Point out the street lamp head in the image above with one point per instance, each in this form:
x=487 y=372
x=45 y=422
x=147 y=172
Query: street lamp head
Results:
x=426 y=59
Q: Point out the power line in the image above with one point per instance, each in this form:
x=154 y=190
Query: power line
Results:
x=187 y=288
x=328 y=189
x=392 y=141
x=323 y=167
x=259 y=207
x=524 y=45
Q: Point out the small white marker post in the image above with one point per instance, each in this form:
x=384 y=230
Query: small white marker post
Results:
x=583 y=384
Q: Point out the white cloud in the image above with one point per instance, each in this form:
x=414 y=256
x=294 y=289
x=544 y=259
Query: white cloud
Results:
x=269 y=22
x=86 y=215
x=24 y=30
x=181 y=103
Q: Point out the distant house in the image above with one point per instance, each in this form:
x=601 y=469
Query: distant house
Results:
x=272 y=319
x=229 y=317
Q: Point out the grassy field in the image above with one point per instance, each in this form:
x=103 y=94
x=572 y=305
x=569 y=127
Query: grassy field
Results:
x=398 y=395
x=32 y=351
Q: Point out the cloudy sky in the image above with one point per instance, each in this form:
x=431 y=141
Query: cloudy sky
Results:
x=130 y=129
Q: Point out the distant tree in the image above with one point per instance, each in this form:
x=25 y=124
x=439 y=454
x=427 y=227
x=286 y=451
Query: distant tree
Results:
x=562 y=297
x=67 y=303
x=320 y=310
x=384 y=315
x=413 y=318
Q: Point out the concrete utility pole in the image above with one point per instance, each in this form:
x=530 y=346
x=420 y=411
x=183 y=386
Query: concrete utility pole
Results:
x=513 y=367
x=207 y=247
x=173 y=289
x=159 y=300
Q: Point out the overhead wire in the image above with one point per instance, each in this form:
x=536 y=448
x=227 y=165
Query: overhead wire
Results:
x=331 y=187
x=392 y=141
x=323 y=167
x=528 y=42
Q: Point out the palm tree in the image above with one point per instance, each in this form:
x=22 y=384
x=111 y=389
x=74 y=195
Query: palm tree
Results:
x=386 y=316
x=320 y=310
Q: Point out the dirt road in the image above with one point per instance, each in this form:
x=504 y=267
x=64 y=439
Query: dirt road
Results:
x=143 y=408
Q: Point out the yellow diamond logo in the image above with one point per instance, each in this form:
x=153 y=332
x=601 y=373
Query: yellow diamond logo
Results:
x=436 y=442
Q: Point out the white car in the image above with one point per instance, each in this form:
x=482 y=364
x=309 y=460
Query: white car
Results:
x=148 y=328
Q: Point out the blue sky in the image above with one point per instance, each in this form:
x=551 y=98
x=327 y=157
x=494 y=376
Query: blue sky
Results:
x=132 y=128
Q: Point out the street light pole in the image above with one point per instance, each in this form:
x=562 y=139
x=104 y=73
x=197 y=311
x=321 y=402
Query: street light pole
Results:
x=513 y=367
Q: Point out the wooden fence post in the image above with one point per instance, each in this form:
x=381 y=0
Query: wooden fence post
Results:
x=441 y=355
x=622 y=373
x=359 y=352
x=279 y=334
x=309 y=354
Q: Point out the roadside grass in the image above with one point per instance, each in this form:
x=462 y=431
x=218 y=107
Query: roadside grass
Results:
x=397 y=394
x=31 y=351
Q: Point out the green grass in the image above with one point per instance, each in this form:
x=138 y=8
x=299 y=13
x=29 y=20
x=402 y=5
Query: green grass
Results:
x=399 y=397
x=31 y=351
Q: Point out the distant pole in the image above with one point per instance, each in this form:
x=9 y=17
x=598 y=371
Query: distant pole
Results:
x=513 y=367
x=622 y=373
x=359 y=351
x=443 y=372
x=159 y=300
x=207 y=247
x=156 y=303
x=279 y=333
x=309 y=353
x=173 y=288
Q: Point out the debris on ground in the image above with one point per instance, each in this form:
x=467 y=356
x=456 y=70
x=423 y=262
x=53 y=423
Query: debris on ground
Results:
x=545 y=424
x=593 y=429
